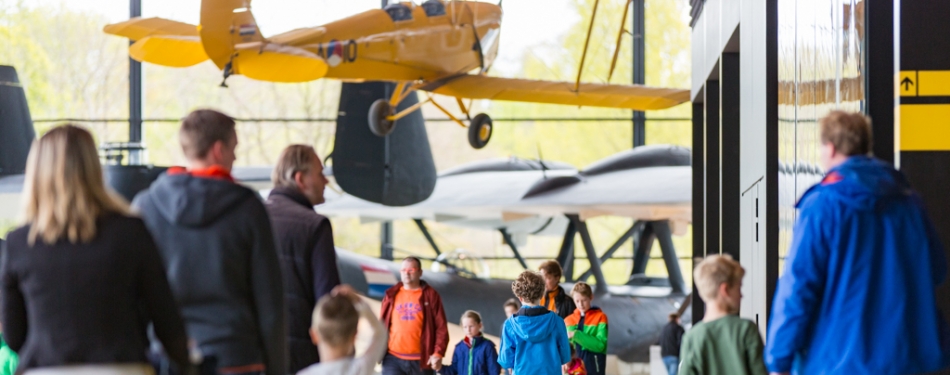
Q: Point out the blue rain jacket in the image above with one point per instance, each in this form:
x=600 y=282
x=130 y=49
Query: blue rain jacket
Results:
x=479 y=359
x=534 y=341
x=857 y=294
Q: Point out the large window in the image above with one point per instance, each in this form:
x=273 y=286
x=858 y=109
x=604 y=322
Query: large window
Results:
x=821 y=68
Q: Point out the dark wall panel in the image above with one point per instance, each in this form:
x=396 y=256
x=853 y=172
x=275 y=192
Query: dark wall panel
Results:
x=711 y=132
x=729 y=154
x=699 y=201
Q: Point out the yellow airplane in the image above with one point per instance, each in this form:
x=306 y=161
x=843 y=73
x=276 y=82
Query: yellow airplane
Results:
x=442 y=47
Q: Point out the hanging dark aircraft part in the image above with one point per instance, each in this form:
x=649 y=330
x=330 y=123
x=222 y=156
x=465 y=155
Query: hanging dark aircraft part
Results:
x=129 y=180
x=16 y=125
x=395 y=170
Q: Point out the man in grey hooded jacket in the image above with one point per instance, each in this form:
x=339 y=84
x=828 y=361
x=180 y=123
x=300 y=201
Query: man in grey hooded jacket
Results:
x=219 y=252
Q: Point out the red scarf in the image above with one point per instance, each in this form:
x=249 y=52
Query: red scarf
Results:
x=214 y=172
x=468 y=341
x=832 y=178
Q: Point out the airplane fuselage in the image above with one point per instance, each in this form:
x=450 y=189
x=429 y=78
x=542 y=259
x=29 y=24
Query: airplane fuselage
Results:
x=406 y=42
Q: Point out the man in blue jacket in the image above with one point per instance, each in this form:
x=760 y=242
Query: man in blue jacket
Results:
x=857 y=295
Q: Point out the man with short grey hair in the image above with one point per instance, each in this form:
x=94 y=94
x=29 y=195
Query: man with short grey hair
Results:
x=305 y=241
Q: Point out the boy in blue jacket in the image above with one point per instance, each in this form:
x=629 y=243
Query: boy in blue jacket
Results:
x=534 y=340
x=857 y=295
x=474 y=355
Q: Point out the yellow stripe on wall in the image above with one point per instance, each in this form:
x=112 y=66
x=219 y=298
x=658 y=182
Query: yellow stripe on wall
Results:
x=933 y=83
x=925 y=127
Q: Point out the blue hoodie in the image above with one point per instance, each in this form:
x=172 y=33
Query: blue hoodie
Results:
x=480 y=358
x=534 y=341
x=857 y=294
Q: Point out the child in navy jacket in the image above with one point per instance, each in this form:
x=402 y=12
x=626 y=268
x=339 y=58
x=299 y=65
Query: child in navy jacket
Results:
x=474 y=355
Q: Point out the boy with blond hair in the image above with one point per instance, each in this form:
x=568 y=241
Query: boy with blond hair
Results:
x=534 y=340
x=723 y=343
x=587 y=330
x=334 y=332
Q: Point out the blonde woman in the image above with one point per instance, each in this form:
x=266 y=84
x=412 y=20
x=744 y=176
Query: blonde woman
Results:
x=82 y=278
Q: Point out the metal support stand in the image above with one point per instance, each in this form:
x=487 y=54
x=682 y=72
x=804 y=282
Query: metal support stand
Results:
x=601 y=287
x=514 y=249
x=641 y=254
x=665 y=236
x=636 y=227
x=425 y=232
x=386 y=240
x=565 y=257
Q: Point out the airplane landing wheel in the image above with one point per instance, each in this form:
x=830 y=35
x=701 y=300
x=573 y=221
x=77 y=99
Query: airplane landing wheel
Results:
x=479 y=131
x=378 y=123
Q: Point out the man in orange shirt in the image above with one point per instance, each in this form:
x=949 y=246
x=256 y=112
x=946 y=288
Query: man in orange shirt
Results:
x=418 y=332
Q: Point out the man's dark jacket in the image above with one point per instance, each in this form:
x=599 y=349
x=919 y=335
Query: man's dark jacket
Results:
x=219 y=253
x=308 y=260
x=671 y=337
x=563 y=302
x=435 y=329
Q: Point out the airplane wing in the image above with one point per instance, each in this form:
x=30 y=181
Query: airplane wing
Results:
x=298 y=36
x=645 y=183
x=653 y=193
x=138 y=28
x=635 y=97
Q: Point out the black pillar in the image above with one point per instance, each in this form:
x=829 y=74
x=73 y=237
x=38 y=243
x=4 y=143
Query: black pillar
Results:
x=771 y=151
x=639 y=69
x=699 y=205
x=925 y=160
x=729 y=154
x=712 y=200
x=880 y=72
x=135 y=90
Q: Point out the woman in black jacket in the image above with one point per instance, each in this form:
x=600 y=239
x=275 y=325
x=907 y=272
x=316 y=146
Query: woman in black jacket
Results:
x=82 y=279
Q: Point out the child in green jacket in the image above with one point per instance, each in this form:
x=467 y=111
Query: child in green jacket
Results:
x=587 y=329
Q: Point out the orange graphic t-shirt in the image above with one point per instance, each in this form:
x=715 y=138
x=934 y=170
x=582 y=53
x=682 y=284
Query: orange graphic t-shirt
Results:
x=405 y=330
x=549 y=301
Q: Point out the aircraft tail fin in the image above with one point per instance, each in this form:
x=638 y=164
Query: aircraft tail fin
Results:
x=224 y=25
x=16 y=126
x=231 y=39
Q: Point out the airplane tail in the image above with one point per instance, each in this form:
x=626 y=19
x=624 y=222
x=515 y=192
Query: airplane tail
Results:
x=231 y=38
x=228 y=36
x=16 y=126
x=224 y=25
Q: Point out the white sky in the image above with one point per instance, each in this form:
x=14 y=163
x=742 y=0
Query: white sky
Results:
x=527 y=23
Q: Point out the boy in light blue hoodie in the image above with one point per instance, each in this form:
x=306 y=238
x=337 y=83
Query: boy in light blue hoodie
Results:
x=534 y=340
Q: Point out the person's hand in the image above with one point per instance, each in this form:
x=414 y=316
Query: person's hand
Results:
x=570 y=335
x=565 y=368
x=435 y=362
